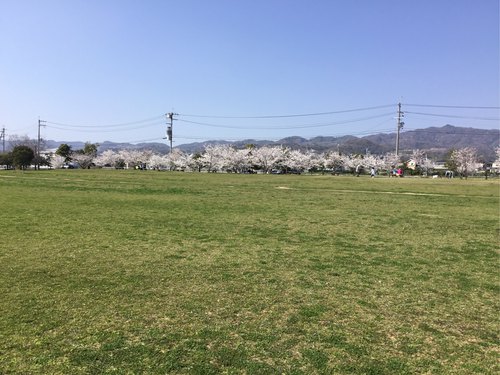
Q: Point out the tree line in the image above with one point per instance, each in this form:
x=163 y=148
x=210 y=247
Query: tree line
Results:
x=250 y=159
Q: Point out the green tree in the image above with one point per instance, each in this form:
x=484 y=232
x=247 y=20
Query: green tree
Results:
x=450 y=163
x=22 y=156
x=90 y=149
x=6 y=159
x=64 y=150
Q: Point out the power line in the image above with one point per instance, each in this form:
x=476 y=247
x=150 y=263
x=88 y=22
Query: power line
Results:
x=107 y=125
x=147 y=140
x=94 y=130
x=229 y=139
x=156 y=118
x=290 y=115
x=448 y=106
x=304 y=126
x=454 y=116
x=158 y=121
x=437 y=131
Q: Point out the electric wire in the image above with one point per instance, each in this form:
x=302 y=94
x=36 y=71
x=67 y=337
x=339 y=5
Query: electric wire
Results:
x=453 y=116
x=231 y=139
x=437 y=131
x=448 y=106
x=86 y=130
x=106 y=125
x=154 y=121
x=145 y=140
x=290 y=115
x=93 y=130
x=303 y=126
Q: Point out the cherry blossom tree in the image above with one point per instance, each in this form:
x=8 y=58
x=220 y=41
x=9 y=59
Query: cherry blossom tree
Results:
x=283 y=163
x=194 y=162
x=418 y=156
x=156 y=161
x=371 y=161
x=426 y=165
x=134 y=158
x=390 y=161
x=419 y=161
x=497 y=161
x=295 y=161
x=57 y=161
x=353 y=162
x=266 y=158
x=83 y=160
x=240 y=161
x=85 y=157
x=225 y=158
x=108 y=158
x=333 y=161
x=311 y=161
x=176 y=160
x=465 y=160
x=210 y=158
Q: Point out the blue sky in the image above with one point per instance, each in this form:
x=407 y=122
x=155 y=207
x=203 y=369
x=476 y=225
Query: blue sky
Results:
x=100 y=70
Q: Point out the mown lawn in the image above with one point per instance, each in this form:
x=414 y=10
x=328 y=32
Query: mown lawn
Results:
x=129 y=272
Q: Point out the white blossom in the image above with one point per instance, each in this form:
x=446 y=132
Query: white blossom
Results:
x=57 y=161
x=83 y=160
x=107 y=158
x=465 y=160
x=267 y=158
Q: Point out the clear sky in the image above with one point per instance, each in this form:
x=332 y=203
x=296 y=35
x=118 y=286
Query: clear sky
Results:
x=100 y=70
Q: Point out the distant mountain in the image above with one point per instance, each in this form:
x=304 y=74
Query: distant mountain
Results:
x=49 y=144
x=436 y=141
x=156 y=147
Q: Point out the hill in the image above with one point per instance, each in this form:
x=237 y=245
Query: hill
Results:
x=437 y=141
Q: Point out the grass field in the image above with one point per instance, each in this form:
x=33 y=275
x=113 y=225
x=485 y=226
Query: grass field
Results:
x=133 y=272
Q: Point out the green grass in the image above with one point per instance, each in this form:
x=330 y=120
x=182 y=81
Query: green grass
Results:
x=128 y=272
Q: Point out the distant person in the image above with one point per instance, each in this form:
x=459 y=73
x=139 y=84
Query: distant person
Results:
x=372 y=172
x=358 y=170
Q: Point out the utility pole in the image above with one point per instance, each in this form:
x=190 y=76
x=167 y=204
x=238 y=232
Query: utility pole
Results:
x=400 y=126
x=2 y=136
x=38 y=143
x=170 y=116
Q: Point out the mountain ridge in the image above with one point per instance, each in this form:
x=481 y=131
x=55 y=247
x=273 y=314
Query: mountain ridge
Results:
x=436 y=141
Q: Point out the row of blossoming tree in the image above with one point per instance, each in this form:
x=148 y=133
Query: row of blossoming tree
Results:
x=269 y=159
